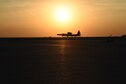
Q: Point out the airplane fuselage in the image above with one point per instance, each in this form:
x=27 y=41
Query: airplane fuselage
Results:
x=69 y=34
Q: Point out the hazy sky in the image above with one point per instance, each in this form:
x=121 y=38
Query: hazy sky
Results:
x=36 y=17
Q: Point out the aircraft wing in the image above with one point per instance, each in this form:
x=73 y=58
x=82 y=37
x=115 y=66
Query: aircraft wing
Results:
x=62 y=34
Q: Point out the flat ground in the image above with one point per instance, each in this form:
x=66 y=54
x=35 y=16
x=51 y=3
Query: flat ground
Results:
x=63 y=61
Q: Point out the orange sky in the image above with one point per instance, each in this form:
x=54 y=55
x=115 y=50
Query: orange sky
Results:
x=31 y=18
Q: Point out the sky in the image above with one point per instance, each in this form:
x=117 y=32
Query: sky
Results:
x=39 y=18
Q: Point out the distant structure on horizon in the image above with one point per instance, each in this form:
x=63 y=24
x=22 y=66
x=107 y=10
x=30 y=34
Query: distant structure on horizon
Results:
x=70 y=34
x=123 y=36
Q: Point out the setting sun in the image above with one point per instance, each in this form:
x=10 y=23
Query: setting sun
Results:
x=62 y=14
x=44 y=18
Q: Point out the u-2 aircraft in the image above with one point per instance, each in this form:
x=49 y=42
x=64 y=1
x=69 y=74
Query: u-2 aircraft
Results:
x=70 y=34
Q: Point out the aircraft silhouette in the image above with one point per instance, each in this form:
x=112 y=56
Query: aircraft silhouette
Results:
x=70 y=34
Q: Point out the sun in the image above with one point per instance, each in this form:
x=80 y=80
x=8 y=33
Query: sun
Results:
x=62 y=14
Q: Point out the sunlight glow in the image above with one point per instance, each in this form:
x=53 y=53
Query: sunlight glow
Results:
x=62 y=15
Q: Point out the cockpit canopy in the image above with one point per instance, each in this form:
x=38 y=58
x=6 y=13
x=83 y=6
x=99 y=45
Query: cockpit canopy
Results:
x=69 y=33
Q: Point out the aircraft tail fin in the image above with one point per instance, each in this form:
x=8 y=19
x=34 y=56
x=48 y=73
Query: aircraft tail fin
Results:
x=78 y=33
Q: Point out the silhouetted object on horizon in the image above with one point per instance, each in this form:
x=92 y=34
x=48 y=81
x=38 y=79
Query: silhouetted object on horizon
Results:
x=70 y=34
x=123 y=36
